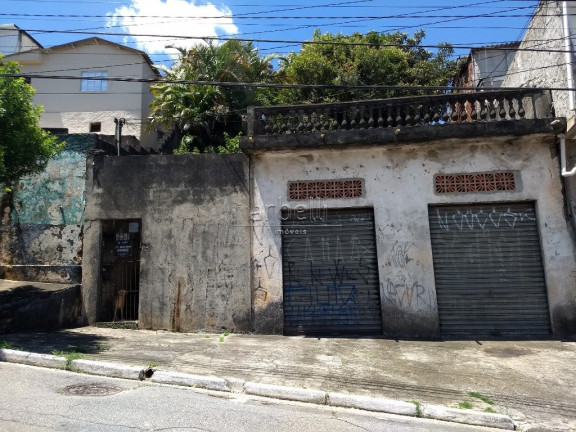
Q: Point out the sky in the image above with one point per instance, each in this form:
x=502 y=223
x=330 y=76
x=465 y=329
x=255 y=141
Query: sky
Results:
x=276 y=26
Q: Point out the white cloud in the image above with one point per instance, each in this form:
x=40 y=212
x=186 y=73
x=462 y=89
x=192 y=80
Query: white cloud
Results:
x=181 y=18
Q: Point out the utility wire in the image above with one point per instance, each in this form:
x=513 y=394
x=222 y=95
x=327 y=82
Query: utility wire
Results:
x=270 y=85
x=296 y=42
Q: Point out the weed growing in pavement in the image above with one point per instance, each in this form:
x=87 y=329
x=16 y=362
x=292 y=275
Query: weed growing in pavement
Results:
x=481 y=397
x=7 y=345
x=226 y=333
x=490 y=410
x=221 y=338
x=70 y=356
x=207 y=336
x=418 y=408
x=152 y=364
x=464 y=405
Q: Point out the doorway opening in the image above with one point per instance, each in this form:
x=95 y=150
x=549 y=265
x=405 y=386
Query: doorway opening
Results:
x=120 y=270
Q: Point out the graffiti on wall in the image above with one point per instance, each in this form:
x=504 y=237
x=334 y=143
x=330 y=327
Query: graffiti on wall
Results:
x=401 y=289
x=330 y=304
x=330 y=278
x=474 y=219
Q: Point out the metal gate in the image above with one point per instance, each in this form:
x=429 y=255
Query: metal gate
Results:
x=120 y=270
x=488 y=270
x=330 y=273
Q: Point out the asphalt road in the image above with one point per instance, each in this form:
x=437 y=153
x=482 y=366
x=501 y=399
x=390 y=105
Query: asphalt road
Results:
x=46 y=400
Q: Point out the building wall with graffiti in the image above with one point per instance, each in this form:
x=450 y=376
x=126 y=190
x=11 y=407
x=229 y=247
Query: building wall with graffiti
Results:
x=401 y=184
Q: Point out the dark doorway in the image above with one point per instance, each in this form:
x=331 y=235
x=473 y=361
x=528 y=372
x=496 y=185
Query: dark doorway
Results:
x=120 y=270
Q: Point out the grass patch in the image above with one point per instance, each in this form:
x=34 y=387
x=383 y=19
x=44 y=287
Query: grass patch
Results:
x=464 y=405
x=221 y=338
x=207 y=336
x=152 y=365
x=7 y=345
x=481 y=397
x=70 y=356
x=418 y=408
x=490 y=410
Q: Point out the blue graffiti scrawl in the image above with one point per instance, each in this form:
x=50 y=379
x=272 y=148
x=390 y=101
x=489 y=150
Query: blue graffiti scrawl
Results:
x=313 y=305
x=330 y=276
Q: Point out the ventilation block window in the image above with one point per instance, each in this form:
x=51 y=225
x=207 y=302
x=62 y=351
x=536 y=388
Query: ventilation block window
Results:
x=478 y=182
x=95 y=127
x=301 y=190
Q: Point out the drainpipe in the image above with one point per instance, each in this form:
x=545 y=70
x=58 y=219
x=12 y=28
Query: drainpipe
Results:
x=568 y=48
x=565 y=172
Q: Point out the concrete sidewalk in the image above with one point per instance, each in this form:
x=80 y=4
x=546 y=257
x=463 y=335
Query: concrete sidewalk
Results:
x=534 y=382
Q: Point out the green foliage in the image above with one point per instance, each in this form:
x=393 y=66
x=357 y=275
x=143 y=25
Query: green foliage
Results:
x=418 y=408
x=480 y=396
x=204 y=114
x=347 y=60
x=7 y=345
x=464 y=405
x=70 y=356
x=24 y=147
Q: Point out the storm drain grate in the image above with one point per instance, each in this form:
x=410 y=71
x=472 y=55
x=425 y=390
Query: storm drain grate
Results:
x=94 y=389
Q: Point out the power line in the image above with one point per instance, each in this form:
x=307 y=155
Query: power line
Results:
x=270 y=85
x=300 y=42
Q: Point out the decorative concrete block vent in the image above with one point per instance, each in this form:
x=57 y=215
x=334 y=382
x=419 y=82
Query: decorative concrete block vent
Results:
x=325 y=189
x=478 y=182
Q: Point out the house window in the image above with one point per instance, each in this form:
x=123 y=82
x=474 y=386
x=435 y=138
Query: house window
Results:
x=95 y=127
x=94 y=85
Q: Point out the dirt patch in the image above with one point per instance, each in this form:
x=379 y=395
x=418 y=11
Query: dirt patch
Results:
x=508 y=352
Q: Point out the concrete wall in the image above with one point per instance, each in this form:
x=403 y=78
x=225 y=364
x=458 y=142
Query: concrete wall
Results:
x=543 y=68
x=399 y=187
x=548 y=69
x=42 y=237
x=195 y=257
x=65 y=106
x=26 y=306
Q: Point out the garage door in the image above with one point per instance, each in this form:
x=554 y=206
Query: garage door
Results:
x=488 y=270
x=330 y=273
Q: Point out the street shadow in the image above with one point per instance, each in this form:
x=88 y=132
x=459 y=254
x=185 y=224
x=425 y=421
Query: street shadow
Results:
x=62 y=340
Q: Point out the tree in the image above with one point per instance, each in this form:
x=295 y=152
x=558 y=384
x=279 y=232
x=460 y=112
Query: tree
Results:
x=24 y=147
x=203 y=115
x=365 y=59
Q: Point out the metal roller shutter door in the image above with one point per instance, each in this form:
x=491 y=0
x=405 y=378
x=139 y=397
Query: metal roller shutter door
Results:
x=488 y=270
x=330 y=273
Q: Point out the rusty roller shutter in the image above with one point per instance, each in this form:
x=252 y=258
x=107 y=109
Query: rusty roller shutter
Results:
x=488 y=270
x=330 y=273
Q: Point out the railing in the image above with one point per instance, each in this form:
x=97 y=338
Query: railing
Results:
x=400 y=112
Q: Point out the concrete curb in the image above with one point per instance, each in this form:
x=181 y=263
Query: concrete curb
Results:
x=470 y=417
x=288 y=393
x=384 y=405
x=32 y=359
x=107 y=369
x=188 y=380
x=367 y=403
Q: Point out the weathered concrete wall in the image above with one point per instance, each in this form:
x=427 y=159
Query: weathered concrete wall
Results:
x=549 y=69
x=26 y=306
x=543 y=68
x=42 y=235
x=399 y=185
x=195 y=258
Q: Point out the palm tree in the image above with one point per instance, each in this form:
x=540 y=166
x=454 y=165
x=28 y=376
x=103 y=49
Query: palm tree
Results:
x=201 y=114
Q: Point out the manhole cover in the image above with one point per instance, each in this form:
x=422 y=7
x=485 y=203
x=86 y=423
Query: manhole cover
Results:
x=94 y=389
